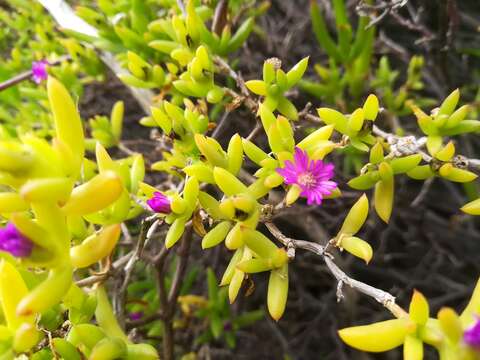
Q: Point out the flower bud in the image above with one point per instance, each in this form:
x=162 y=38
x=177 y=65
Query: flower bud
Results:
x=39 y=71
x=471 y=336
x=14 y=242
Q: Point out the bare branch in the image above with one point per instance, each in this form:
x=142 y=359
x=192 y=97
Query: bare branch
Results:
x=381 y=296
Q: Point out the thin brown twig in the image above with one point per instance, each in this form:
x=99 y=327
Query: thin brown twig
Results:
x=245 y=96
x=168 y=340
x=381 y=296
x=27 y=75
x=220 y=17
x=168 y=301
x=408 y=145
x=181 y=268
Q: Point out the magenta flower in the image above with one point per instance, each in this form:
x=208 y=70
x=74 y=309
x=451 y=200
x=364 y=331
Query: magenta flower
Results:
x=134 y=316
x=312 y=176
x=159 y=203
x=471 y=336
x=39 y=71
x=13 y=242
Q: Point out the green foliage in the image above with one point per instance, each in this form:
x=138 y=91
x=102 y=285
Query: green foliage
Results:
x=71 y=206
x=28 y=34
x=415 y=329
x=350 y=73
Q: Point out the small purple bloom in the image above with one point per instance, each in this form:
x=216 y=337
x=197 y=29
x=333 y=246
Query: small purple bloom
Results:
x=39 y=71
x=227 y=326
x=159 y=203
x=12 y=241
x=471 y=336
x=312 y=176
x=134 y=316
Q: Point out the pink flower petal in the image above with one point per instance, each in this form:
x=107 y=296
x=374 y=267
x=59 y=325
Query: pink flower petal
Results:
x=312 y=176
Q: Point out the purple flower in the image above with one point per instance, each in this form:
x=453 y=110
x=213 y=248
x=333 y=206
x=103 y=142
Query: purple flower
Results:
x=312 y=176
x=471 y=336
x=227 y=326
x=12 y=241
x=134 y=316
x=39 y=71
x=159 y=203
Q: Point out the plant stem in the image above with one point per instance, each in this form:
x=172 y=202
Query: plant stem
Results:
x=168 y=301
x=381 y=296
x=26 y=75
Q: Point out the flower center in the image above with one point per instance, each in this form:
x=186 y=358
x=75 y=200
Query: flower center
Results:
x=307 y=179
